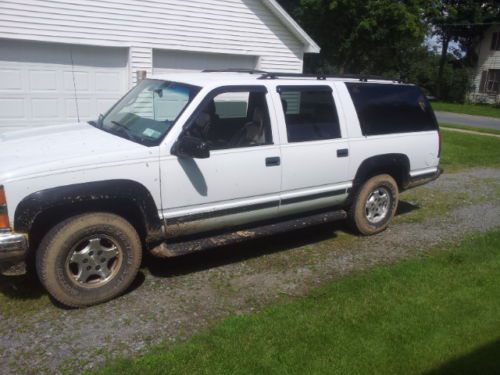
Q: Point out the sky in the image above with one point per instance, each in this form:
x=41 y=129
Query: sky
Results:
x=433 y=43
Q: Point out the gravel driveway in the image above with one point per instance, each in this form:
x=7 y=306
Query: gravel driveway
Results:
x=172 y=299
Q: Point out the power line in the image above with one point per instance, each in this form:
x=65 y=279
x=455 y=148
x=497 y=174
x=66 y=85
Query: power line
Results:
x=470 y=24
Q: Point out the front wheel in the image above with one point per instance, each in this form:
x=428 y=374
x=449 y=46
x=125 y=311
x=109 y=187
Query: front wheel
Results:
x=375 y=205
x=89 y=259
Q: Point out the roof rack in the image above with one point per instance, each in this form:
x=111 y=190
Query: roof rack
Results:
x=231 y=70
x=319 y=76
x=322 y=77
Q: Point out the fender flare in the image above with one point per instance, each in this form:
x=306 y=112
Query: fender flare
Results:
x=384 y=163
x=91 y=194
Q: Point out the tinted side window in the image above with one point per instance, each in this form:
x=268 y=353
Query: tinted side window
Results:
x=233 y=119
x=385 y=108
x=310 y=113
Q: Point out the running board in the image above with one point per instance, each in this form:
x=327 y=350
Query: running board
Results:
x=173 y=249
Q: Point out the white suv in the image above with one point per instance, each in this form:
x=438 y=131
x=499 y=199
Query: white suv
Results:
x=188 y=161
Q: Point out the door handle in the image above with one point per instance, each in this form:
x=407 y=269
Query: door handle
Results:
x=343 y=153
x=273 y=161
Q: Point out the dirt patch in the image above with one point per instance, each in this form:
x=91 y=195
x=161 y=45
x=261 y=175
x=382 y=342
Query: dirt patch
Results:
x=173 y=298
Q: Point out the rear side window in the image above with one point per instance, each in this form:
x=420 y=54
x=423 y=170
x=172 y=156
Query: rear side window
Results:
x=310 y=113
x=386 y=108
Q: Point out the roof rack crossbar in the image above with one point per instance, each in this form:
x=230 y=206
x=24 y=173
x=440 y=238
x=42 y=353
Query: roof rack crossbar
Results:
x=361 y=77
x=235 y=70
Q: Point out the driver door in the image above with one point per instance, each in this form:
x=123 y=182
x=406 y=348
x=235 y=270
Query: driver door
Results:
x=240 y=182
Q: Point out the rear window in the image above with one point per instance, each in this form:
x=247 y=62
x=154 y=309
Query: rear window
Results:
x=385 y=108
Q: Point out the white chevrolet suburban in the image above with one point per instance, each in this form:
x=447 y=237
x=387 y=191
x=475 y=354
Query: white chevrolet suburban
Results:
x=188 y=161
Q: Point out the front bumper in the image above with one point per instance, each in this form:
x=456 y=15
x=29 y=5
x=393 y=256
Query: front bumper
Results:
x=13 y=247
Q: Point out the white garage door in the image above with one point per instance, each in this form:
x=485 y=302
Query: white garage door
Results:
x=45 y=84
x=179 y=61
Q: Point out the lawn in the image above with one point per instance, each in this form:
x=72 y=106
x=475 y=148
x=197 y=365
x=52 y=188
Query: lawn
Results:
x=438 y=313
x=461 y=150
x=468 y=109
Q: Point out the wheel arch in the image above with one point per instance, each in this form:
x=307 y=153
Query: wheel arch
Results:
x=40 y=211
x=395 y=165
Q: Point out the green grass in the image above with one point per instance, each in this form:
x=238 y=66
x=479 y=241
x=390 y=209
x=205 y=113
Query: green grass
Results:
x=471 y=128
x=438 y=313
x=468 y=109
x=461 y=151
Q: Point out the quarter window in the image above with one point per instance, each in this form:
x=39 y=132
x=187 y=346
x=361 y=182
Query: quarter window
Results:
x=391 y=108
x=310 y=113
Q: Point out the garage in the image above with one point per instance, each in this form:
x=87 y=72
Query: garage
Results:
x=67 y=61
x=49 y=83
x=181 y=61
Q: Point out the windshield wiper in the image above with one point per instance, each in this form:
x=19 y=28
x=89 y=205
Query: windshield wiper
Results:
x=98 y=123
x=125 y=130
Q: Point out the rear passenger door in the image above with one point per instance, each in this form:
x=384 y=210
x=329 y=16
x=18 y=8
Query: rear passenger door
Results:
x=315 y=152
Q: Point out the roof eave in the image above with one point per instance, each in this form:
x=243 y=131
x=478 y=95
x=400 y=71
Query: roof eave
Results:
x=310 y=46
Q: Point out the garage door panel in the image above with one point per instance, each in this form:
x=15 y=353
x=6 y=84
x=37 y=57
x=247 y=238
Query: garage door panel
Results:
x=86 y=108
x=10 y=79
x=38 y=82
x=113 y=58
x=103 y=105
x=43 y=80
x=11 y=108
x=45 y=108
x=180 y=61
x=108 y=82
x=16 y=51
x=79 y=80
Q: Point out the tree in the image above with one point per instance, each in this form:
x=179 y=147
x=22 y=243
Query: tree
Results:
x=461 y=21
x=387 y=37
x=362 y=36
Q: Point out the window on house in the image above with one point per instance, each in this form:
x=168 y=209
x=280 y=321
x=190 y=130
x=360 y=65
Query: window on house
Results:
x=310 y=113
x=492 y=82
x=495 y=41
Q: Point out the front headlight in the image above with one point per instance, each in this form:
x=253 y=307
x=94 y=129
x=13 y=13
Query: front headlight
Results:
x=4 y=217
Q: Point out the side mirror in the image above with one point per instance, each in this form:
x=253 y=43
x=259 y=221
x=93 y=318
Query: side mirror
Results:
x=192 y=147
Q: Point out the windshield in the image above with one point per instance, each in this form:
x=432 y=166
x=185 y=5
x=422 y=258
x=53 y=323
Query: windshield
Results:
x=148 y=112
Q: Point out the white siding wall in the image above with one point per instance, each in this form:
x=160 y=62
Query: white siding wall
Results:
x=141 y=58
x=245 y=27
x=488 y=59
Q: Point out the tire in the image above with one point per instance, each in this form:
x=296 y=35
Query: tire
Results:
x=89 y=259
x=374 y=205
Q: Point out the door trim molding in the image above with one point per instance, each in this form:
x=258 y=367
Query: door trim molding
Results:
x=254 y=207
x=222 y=212
x=311 y=197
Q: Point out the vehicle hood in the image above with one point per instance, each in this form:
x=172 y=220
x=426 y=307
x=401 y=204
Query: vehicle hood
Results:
x=60 y=147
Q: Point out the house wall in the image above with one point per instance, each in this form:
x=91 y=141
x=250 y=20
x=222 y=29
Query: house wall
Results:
x=241 y=27
x=487 y=59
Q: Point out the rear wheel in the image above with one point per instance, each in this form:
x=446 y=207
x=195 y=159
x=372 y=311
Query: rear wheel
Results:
x=375 y=205
x=89 y=259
